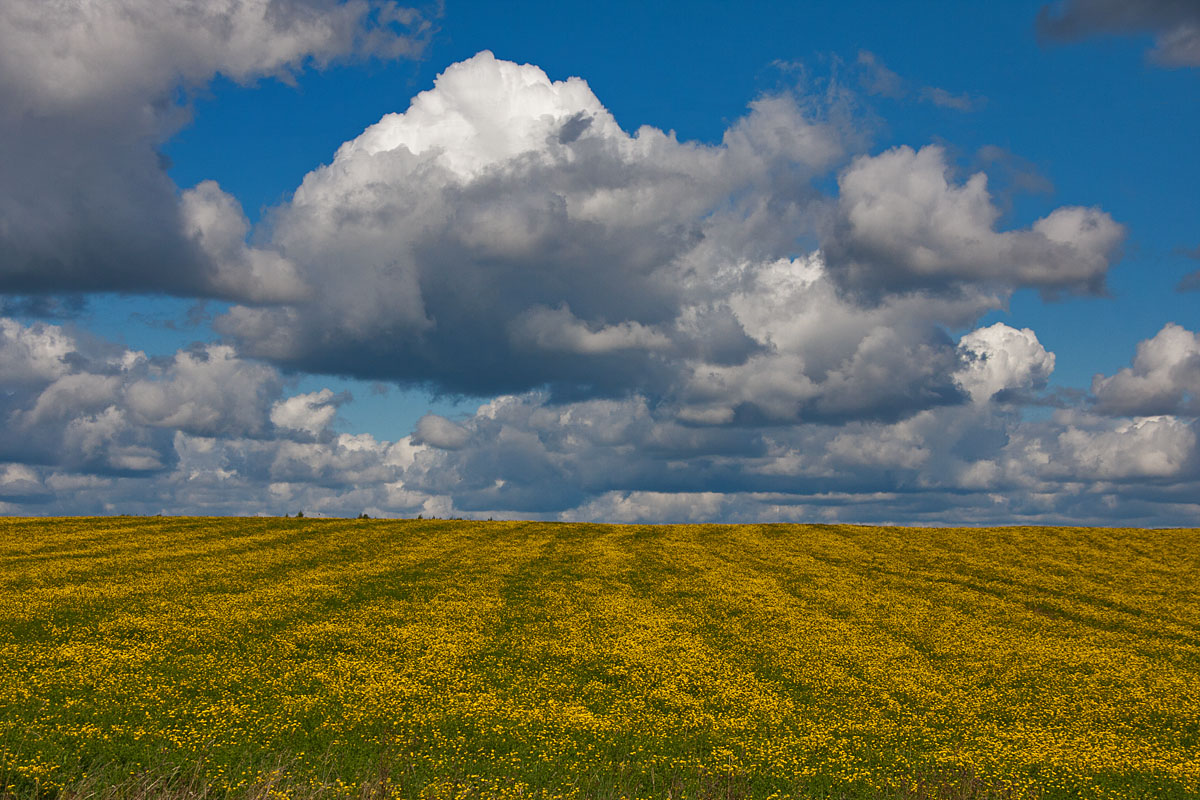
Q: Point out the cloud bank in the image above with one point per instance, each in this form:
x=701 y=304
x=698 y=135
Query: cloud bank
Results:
x=97 y=428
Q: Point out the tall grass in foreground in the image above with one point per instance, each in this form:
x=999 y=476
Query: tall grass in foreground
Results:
x=260 y=658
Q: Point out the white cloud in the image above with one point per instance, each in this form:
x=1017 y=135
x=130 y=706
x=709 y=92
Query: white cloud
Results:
x=1000 y=358
x=1163 y=379
x=437 y=431
x=207 y=392
x=21 y=483
x=1145 y=447
x=107 y=440
x=309 y=413
x=822 y=356
x=105 y=408
x=902 y=223
x=485 y=112
x=880 y=447
x=348 y=460
x=34 y=354
x=78 y=392
x=214 y=220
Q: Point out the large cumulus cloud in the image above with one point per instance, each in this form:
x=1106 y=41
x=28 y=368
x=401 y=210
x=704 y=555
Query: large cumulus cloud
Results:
x=89 y=91
x=504 y=234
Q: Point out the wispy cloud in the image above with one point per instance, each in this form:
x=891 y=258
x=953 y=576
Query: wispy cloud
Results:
x=1191 y=281
x=876 y=79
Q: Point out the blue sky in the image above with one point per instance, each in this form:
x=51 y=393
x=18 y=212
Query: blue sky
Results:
x=852 y=112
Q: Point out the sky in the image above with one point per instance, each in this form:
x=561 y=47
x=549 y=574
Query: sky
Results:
x=918 y=263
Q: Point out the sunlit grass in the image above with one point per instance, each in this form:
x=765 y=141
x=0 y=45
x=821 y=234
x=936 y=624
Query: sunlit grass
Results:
x=309 y=658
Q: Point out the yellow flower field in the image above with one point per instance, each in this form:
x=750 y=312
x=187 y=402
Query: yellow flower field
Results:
x=422 y=659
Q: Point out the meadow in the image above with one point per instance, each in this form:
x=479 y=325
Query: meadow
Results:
x=256 y=658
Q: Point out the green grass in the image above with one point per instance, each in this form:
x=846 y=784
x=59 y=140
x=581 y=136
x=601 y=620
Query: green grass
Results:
x=256 y=658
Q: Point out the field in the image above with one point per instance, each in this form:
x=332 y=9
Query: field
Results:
x=439 y=659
